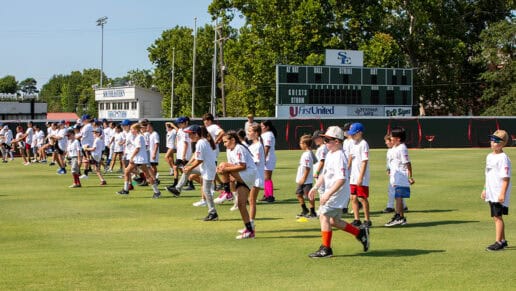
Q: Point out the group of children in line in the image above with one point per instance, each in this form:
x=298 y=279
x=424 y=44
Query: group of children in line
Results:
x=338 y=172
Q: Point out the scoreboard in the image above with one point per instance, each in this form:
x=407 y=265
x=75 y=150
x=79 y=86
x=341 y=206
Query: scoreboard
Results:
x=335 y=91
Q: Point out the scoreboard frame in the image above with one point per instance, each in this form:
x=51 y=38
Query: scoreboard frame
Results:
x=335 y=91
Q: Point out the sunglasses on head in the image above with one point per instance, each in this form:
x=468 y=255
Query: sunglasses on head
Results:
x=495 y=139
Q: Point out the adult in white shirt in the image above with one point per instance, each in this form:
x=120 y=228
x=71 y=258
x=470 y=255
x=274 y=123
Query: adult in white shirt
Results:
x=269 y=142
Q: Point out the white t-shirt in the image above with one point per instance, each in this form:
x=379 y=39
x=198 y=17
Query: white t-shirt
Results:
x=30 y=134
x=498 y=166
x=153 y=141
x=305 y=161
x=39 y=137
x=320 y=154
x=87 y=137
x=335 y=169
x=182 y=139
x=63 y=140
x=171 y=138
x=240 y=154
x=399 y=159
x=359 y=153
x=270 y=141
x=98 y=144
x=204 y=153
x=118 y=142
x=258 y=153
x=214 y=130
x=108 y=134
x=141 y=157
x=128 y=148
x=74 y=148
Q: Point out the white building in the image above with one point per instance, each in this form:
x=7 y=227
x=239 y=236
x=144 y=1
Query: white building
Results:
x=129 y=102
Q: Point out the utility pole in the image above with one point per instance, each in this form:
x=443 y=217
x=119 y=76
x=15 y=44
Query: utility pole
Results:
x=172 y=85
x=193 y=69
x=214 y=74
x=222 y=68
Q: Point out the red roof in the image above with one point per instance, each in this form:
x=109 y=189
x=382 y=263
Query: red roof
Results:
x=71 y=116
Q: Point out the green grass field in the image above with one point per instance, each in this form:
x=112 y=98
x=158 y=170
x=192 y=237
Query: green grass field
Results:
x=53 y=237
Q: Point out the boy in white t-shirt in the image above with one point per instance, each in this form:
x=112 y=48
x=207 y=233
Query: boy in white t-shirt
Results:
x=73 y=153
x=400 y=175
x=95 y=151
x=497 y=187
x=360 y=174
x=332 y=201
x=304 y=177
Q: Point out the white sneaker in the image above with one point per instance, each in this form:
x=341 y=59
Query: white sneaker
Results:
x=83 y=177
x=246 y=234
x=224 y=196
x=199 y=203
x=26 y=164
x=233 y=208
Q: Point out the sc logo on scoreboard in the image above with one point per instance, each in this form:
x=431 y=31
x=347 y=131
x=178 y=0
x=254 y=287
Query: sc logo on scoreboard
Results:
x=344 y=58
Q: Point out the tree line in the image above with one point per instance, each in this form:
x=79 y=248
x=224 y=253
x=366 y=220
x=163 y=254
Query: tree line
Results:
x=462 y=52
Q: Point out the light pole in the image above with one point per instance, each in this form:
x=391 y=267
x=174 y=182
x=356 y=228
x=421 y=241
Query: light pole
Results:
x=193 y=66
x=100 y=22
x=172 y=85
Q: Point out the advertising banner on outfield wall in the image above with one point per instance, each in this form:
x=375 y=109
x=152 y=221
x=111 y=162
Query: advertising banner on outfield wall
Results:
x=339 y=111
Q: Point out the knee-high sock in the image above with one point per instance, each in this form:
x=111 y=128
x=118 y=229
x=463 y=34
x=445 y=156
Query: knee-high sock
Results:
x=268 y=188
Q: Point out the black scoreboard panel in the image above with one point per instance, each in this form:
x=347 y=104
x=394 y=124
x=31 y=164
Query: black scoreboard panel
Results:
x=343 y=85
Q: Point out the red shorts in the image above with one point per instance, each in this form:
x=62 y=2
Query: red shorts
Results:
x=360 y=191
x=27 y=146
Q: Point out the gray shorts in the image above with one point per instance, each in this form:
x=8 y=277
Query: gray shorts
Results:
x=330 y=211
x=75 y=165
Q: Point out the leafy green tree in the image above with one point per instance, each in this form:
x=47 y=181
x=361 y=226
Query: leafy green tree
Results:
x=8 y=84
x=180 y=40
x=141 y=78
x=497 y=53
x=28 y=86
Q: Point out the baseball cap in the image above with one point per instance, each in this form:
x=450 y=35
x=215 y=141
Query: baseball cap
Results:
x=181 y=119
x=194 y=128
x=335 y=132
x=355 y=128
x=125 y=122
x=500 y=136
x=317 y=134
x=85 y=117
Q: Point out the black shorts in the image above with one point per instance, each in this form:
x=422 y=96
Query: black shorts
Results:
x=180 y=162
x=239 y=184
x=106 y=151
x=58 y=150
x=303 y=189
x=497 y=209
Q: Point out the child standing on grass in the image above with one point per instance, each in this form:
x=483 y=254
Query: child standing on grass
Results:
x=360 y=174
x=95 y=151
x=304 y=177
x=497 y=187
x=332 y=201
x=320 y=154
x=73 y=153
x=390 y=189
x=400 y=174
x=257 y=150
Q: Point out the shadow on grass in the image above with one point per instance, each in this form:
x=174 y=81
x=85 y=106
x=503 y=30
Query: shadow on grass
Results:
x=317 y=229
x=436 y=223
x=394 y=253
x=287 y=236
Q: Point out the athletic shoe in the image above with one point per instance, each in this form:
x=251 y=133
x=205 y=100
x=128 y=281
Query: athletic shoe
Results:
x=304 y=213
x=234 y=207
x=26 y=164
x=75 y=186
x=83 y=177
x=403 y=221
x=495 y=247
x=4 y=161
x=246 y=234
x=269 y=199
x=122 y=192
x=505 y=244
x=363 y=237
x=102 y=183
x=388 y=210
x=224 y=196
x=367 y=223
x=189 y=188
x=393 y=221
x=200 y=203
x=173 y=190
x=322 y=252
x=313 y=215
x=43 y=161
x=51 y=164
x=356 y=223
x=61 y=171
x=156 y=195
x=264 y=199
x=212 y=217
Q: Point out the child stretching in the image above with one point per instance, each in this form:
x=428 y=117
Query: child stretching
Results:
x=497 y=188
x=304 y=177
x=332 y=201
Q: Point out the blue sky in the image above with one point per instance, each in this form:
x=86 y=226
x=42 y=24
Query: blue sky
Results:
x=43 y=38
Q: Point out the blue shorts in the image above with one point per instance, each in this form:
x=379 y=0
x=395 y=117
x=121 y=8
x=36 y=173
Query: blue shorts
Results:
x=401 y=192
